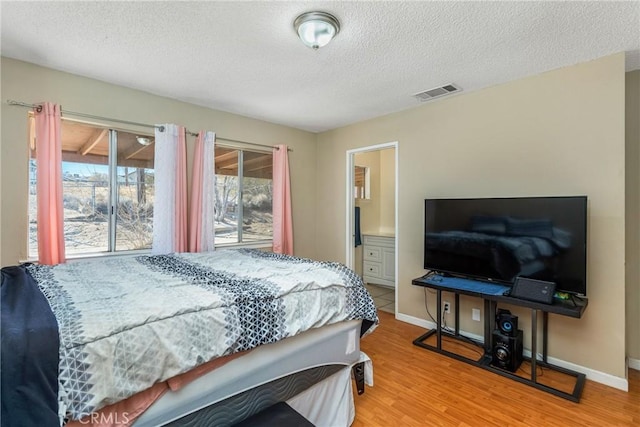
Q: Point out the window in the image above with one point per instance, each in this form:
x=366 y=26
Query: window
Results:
x=244 y=189
x=107 y=187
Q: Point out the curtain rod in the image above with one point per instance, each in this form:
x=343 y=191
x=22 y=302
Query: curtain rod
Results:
x=249 y=143
x=38 y=108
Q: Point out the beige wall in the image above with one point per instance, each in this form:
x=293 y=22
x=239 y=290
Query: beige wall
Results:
x=557 y=133
x=29 y=83
x=370 y=208
x=388 y=191
x=633 y=213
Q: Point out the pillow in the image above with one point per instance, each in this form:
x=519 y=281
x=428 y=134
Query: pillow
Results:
x=530 y=227
x=488 y=224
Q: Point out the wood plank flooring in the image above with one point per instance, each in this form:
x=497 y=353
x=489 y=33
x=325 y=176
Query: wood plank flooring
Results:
x=418 y=387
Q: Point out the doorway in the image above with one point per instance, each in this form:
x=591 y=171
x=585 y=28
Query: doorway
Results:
x=372 y=206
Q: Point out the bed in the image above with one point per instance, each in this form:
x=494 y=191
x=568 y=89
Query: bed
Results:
x=81 y=336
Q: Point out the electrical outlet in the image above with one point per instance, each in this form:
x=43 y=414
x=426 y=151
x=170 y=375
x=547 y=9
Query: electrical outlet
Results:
x=446 y=307
x=475 y=314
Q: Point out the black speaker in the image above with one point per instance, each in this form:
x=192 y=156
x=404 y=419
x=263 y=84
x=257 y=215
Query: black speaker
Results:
x=506 y=322
x=507 y=350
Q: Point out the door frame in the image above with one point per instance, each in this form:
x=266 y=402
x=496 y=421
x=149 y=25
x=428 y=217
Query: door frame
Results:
x=350 y=231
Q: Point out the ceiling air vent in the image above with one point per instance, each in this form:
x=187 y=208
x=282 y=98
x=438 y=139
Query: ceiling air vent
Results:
x=437 y=92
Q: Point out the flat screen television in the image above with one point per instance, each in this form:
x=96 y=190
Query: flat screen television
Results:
x=500 y=239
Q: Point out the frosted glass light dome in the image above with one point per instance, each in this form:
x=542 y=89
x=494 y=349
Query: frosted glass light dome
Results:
x=316 y=29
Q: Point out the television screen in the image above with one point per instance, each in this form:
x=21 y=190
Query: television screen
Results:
x=500 y=239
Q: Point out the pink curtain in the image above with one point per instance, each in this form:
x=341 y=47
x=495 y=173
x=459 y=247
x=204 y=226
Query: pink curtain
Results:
x=282 y=218
x=195 y=223
x=49 y=185
x=201 y=220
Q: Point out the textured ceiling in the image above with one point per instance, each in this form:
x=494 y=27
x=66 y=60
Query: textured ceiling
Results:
x=245 y=58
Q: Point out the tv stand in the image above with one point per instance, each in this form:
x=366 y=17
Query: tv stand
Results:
x=492 y=295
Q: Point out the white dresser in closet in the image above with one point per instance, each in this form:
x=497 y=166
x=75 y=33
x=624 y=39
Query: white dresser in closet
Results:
x=379 y=259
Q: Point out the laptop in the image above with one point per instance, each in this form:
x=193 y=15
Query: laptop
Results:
x=533 y=290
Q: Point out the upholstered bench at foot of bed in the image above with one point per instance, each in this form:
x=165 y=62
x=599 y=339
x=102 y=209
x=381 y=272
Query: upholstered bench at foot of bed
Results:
x=278 y=415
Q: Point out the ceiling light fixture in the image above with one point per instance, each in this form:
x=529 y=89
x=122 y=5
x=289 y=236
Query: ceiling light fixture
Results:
x=316 y=29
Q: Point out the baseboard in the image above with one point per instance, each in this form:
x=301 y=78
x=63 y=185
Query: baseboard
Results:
x=592 y=374
x=427 y=324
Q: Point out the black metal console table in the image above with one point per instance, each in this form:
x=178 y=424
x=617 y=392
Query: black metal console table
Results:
x=572 y=308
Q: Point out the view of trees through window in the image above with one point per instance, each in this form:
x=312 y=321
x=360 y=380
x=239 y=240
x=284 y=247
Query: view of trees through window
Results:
x=108 y=200
x=90 y=225
x=249 y=174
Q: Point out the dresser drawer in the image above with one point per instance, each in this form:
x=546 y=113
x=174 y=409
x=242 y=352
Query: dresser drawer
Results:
x=372 y=253
x=371 y=269
x=389 y=242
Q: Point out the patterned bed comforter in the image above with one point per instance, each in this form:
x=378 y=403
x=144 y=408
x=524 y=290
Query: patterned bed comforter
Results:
x=127 y=323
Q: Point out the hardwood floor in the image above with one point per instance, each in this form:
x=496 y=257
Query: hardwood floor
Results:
x=418 y=387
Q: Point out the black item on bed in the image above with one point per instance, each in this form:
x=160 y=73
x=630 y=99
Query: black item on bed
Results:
x=30 y=346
